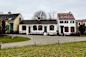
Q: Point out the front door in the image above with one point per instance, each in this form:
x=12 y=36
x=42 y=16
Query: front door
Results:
x=29 y=29
x=11 y=28
x=61 y=29
x=45 y=28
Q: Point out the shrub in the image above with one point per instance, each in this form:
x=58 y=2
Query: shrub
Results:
x=82 y=28
x=75 y=34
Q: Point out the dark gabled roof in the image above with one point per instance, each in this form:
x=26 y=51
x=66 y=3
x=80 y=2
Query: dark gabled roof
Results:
x=7 y=16
x=66 y=16
x=38 y=22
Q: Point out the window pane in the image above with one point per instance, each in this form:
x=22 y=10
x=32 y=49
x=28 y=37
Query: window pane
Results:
x=66 y=29
x=71 y=21
x=39 y=27
x=51 y=27
x=67 y=21
x=72 y=29
x=34 y=27
x=61 y=21
x=23 y=27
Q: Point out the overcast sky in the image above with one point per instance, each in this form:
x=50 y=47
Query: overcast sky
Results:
x=28 y=7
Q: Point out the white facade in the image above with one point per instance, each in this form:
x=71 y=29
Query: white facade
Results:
x=57 y=27
x=66 y=23
x=30 y=29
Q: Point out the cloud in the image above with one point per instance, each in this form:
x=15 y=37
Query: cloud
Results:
x=28 y=7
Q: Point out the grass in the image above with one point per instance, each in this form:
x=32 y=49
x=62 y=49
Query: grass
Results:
x=8 y=39
x=77 y=49
x=83 y=35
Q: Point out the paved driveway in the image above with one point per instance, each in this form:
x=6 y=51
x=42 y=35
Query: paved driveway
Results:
x=43 y=40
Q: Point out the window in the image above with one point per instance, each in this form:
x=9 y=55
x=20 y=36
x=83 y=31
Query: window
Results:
x=67 y=21
x=79 y=23
x=71 y=21
x=51 y=27
x=34 y=27
x=19 y=18
x=61 y=21
x=23 y=27
x=66 y=29
x=39 y=27
x=72 y=29
x=10 y=18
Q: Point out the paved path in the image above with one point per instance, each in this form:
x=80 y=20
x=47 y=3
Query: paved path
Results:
x=43 y=40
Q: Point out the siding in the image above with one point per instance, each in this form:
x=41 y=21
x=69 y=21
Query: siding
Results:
x=38 y=31
x=16 y=24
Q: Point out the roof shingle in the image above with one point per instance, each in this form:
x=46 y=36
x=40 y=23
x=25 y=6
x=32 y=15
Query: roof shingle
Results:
x=38 y=22
x=7 y=16
x=66 y=16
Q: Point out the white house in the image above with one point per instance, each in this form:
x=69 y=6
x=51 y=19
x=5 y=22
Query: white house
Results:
x=66 y=23
x=38 y=27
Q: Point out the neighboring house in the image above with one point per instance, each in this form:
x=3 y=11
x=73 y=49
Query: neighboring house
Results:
x=38 y=27
x=12 y=22
x=66 y=23
x=80 y=22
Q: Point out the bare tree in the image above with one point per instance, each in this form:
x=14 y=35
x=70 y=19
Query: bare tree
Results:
x=50 y=17
x=39 y=15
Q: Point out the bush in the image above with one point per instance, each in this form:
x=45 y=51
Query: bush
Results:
x=82 y=28
x=75 y=34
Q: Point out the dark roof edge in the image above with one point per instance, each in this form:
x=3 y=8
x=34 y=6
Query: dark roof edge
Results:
x=11 y=14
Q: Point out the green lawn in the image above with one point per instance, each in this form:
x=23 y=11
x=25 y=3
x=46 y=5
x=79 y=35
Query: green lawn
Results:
x=77 y=49
x=8 y=39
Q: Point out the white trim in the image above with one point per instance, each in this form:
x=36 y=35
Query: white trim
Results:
x=38 y=31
